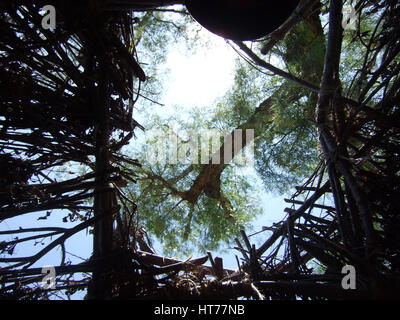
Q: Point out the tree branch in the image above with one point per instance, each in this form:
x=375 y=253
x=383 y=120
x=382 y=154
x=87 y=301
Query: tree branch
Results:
x=277 y=71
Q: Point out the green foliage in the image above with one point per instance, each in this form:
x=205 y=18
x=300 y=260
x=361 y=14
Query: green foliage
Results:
x=303 y=50
x=286 y=152
x=177 y=223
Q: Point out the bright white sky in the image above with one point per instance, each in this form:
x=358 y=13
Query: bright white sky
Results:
x=198 y=79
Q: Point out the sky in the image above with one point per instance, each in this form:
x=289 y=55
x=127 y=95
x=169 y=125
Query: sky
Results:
x=208 y=71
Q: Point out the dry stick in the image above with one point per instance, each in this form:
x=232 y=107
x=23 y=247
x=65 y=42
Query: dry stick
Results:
x=320 y=206
x=270 y=258
x=246 y=240
x=39 y=236
x=363 y=70
x=355 y=190
x=238 y=263
x=355 y=219
x=83 y=284
x=330 y=77
x=154 y=259
x=341 y=212
x=330 y=84
x=175 y=267
x=18 y=282
x=68 y=63
x=330 y=244
x=55 y=229
x=378 y=73
x=232 y=289
x=283 y=266
x=67 y=234
x=294 y=253
x=121 y=198
x=302 y=188
x=311 y=217
x=82 y=186
x=257 y=292
x=319 y=252
x=214 y=266
x=299 y=212
x=13 y=212
x=60 y=270
x=219 y=267
x=254 y=265
x=241 y=249
x=394 y=73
